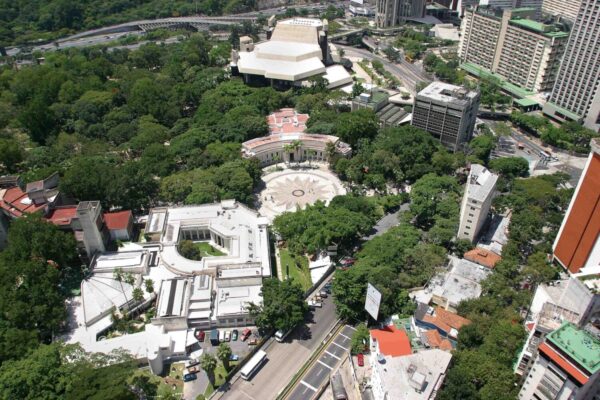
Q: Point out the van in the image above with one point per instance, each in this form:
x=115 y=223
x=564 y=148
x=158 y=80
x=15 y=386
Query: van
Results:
x=280 y=335
x=214 y=337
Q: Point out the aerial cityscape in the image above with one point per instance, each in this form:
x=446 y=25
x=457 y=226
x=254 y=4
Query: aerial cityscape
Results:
x=300 y=200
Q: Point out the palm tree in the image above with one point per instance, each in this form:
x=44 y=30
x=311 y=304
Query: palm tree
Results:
x=223 y=353
x=311 y=155
x=208 y=362
x=287 y=148
x=149 y=284
x=138 y=295
x=119 y=277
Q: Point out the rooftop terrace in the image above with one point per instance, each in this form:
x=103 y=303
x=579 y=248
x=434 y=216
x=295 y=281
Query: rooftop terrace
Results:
x=579 y=345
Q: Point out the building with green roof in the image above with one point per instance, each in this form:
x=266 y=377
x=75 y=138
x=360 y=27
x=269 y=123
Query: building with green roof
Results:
x=567 y=366
x=514 y=46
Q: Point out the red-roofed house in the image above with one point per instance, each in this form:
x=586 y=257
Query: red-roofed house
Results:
x=483 y=257
x=446 y=322
x=434 y=340
x=390 y=341
x=119 y=224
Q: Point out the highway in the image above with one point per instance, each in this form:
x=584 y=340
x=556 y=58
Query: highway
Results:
x=284 y=359
x=408 y=73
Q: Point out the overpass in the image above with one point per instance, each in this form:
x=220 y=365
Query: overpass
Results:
x=193 y=22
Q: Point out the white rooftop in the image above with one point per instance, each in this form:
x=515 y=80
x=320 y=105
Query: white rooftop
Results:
x=447 y=93
x=245 y=229
x=415 y=376
x=100 y=293
x=481 y=183
x=234 y=300
x=462 y=282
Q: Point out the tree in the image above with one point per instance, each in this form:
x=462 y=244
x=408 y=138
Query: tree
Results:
x=138 y=295
x=510 y=167
x=208 y=363
x=283 y=305
x=189 y=250
x=149 y=286
x=119 y=276
x=223 y=353
x=433 y=197
x=356 y=125
x=10 y=155
x=360 y=339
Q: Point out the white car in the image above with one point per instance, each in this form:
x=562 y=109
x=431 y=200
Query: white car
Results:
x=227 y=336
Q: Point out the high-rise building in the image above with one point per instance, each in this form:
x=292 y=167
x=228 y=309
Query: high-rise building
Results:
x=576 y=93
x=512 y=44
x=577 y=245
x=448 y=112
x=562 y=8
x=556 y=302
x=394 y=12
x=90 y=217
x=567 y=367
x=476 y=202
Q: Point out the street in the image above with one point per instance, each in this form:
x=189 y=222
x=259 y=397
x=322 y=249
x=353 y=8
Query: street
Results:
x=408 y=73
x=284 y=359
x=318 y=374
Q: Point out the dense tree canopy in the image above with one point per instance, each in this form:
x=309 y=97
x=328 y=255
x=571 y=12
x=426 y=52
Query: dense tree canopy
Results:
x=283 y=306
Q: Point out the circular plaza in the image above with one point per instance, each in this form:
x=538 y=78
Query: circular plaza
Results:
x=292 y=188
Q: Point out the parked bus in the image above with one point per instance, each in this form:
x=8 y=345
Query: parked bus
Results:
x=253 y=365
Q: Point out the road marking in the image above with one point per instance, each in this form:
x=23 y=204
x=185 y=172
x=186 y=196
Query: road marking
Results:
x=349 y=338
x=321 y=362
x=308 y=386
x=339 y=345
x=351 y=327
x=247 y=395
x=332 y=355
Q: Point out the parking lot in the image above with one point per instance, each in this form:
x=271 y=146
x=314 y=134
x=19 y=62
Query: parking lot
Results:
x=318 y=374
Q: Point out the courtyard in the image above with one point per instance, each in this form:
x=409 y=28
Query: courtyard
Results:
x=295 y=187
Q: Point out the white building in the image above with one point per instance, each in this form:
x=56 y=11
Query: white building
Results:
x=476 y=202
x=556 y=302
x=297 y=50
x=418 y=376
x=567 y=367
x=212 y=292
x=461 y=282
x=286 y=127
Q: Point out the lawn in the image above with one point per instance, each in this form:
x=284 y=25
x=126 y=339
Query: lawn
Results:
x=220 y=376
x=300 y=275
x=207 y=250
x=165 y=384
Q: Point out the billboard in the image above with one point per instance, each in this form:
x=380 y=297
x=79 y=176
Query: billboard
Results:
x=372 y=301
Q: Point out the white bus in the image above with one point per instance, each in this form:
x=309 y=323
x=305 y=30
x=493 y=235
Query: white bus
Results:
x=253 y=365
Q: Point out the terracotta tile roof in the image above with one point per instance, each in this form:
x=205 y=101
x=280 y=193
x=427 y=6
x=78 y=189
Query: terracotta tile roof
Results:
x=117 y=220
x=562 y=362
x=392 y=341
x=16 y=202
x=446 y=320
x=287 y=120
x=62 y=216
x=436 y=340
x=483 y=257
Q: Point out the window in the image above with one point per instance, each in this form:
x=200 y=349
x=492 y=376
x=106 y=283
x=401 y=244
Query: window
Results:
x=472 y=208
x=471 y=215
x=467 y=227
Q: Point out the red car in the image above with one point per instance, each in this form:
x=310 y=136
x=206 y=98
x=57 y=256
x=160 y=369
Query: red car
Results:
x=361 y=360
x=200 y=335
x=246 y=334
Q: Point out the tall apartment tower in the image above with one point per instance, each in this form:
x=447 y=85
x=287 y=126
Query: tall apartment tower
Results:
x=567 y=367
x=448 y=112
x=512 y=44
x=394 y=12
x=562 y=8
x=476 y=202
x=90 y=218
x=576 y=94
x=577 y=245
